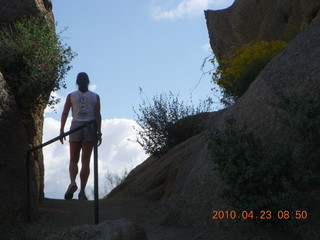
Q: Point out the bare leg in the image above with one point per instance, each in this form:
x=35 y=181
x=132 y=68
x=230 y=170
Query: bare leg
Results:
x=75 y=148
x=85 y=160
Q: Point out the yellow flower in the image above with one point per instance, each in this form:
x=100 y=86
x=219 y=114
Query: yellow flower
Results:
x=234 y=75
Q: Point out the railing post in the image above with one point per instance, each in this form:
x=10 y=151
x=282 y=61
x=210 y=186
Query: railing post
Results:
x=28 y=186
x=96 y=182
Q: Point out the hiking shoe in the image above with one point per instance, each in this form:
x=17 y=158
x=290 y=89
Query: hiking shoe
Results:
x=70 y=191
x=82 y=196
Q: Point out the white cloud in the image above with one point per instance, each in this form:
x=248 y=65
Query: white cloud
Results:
x=186 y=8
x=207 y=47
x=116 y=153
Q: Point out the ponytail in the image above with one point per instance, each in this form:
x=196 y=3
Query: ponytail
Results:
x=83 y=81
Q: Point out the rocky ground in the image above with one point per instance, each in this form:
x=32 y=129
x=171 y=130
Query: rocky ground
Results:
x=57 y=217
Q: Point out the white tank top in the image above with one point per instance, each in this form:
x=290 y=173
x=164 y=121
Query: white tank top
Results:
x=82 y=105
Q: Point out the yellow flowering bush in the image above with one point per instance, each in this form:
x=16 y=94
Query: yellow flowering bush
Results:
x=235 y=75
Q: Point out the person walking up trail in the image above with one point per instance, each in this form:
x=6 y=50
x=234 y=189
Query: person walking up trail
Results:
x=85 y=107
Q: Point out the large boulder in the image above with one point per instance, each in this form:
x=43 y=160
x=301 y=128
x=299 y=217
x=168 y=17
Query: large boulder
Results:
x=183 y=183
x=258 y=20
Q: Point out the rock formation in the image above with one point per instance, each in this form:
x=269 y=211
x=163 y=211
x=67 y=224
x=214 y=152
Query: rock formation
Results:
x=47 y=4
x=183 y=183
x=14 y=9
x=18 y=132
x=13 y=146
x=257 y=20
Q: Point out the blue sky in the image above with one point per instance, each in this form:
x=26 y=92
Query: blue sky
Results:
x=123 y=45
x=158 y=45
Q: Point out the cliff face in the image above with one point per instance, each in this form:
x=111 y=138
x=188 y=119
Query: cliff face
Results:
x=183 y=184
x=13 y=146
x=13 y=9
x=19 y=132
x=257 y=20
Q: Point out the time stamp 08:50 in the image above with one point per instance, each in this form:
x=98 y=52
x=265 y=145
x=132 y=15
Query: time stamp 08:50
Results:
x=263 y=214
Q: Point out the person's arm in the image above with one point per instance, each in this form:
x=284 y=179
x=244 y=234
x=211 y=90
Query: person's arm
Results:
x=97 y=115
x=64 y=116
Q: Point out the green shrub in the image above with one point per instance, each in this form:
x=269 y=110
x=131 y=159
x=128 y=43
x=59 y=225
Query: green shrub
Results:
x=253 y=175
x=258 y=176
x=234 y=75
x=33 y=60
x=157 y=121
x=304 y=132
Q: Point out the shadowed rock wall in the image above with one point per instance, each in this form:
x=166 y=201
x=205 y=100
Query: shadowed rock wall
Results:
x=19 y=132
x=13 y=146
x=13 y=9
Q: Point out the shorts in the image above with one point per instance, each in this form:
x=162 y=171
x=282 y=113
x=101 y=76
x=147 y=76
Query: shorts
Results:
x=84 y=134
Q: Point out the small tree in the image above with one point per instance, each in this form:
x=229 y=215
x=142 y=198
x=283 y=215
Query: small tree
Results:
x=235 y=75
x=113 y=180
x=156 y=119
x=33 y=60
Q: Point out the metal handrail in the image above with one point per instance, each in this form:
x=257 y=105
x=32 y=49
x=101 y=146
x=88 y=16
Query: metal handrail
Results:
x=95 y=155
